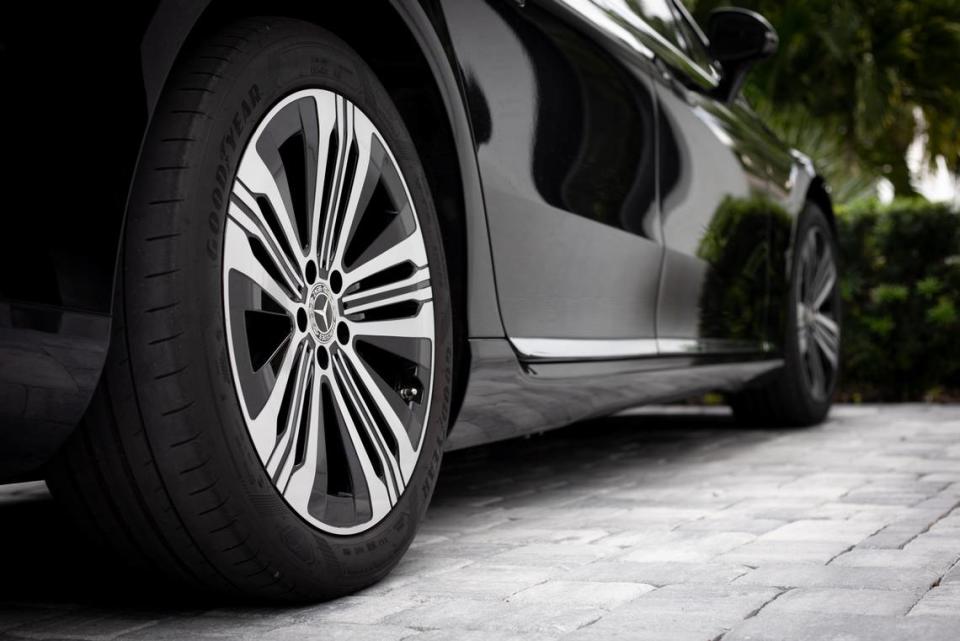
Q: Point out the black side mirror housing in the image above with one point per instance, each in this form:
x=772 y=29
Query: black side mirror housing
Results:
x=739 y=39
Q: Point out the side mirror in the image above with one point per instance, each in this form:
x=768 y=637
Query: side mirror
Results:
x=738 y=40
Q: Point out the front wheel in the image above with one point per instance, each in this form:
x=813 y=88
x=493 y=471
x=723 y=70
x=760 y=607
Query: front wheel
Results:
x=273 y=412
x=801 y=392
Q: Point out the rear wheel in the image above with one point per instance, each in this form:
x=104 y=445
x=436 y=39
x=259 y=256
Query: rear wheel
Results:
x=801 y=393
x=272 y=416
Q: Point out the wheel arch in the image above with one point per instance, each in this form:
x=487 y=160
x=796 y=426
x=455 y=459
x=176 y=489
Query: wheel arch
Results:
x=408 y=53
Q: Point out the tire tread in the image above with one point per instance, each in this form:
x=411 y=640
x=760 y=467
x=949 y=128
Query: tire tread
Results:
x=117 y=508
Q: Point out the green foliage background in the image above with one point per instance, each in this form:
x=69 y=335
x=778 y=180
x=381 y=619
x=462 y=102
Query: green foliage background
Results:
x=853 y=73
x=845 y=88
x=901 y=290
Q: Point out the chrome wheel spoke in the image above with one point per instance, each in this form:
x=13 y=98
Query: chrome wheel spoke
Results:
x=411 y=249
x=301 y=480
x=281 y=461
x=239 y=257
x=356 y=134
x=803 y=332
x=815 y=369
x=405 y=454
x=382 y=492
x=245 y=212
x=809 y=262
x=263 y=427
x=255 y=178
x=415 y=288
x=418 y=325
x=419 y=279
x=325 y=104
x=824 y=280
x=827 y=335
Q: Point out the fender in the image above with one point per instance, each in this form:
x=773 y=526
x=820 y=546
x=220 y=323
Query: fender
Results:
x=172 y=23
x=175 y=20
x=483 y=313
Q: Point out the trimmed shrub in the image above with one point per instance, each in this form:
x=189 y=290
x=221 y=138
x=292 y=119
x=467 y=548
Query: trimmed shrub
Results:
x=901 y=293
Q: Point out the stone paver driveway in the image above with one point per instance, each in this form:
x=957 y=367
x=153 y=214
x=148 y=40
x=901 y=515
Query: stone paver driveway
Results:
x=662 y=525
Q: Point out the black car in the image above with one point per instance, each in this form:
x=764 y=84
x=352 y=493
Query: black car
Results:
x=263 y=262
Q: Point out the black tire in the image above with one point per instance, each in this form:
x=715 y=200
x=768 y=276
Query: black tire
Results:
x=787 y=398
x=162 y=468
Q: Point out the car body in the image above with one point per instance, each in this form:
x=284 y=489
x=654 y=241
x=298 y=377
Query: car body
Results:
x=616 y=232
x=263 y=263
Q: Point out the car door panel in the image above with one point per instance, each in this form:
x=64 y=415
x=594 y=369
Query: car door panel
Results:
x=714 y=194
x=565 y=138
x=713 y=185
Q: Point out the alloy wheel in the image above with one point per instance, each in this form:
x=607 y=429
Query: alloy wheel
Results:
x=818 y=329
x=329 y=313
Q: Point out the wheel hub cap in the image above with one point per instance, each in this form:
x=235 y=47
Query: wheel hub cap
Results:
x=322 y=312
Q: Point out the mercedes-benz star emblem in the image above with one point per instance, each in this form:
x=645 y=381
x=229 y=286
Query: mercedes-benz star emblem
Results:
x=323 y=313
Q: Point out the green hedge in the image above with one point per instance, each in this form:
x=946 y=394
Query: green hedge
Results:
x=901 y=292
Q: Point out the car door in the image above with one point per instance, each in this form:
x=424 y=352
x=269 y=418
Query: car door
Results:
x=566 y=143
x=718 y=211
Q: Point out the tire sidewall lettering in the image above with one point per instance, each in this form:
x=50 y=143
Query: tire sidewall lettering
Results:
x=231 y=142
